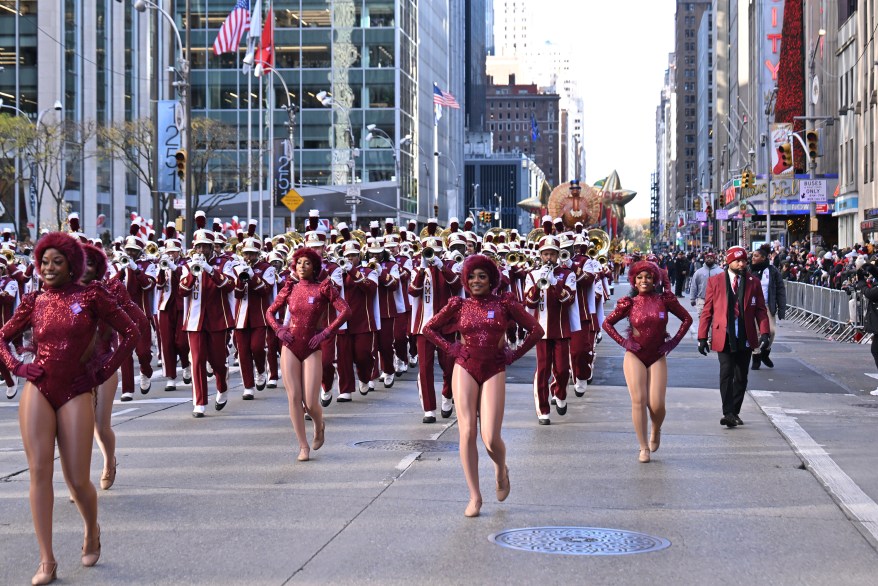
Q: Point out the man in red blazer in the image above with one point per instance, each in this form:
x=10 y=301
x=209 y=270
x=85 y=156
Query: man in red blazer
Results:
x=733 y=306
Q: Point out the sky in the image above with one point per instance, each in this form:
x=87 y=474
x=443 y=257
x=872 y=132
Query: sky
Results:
x=620 y=54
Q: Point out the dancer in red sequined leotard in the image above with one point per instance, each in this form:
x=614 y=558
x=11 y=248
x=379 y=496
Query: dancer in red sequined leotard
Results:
x=479 y=375
x=301 y=358
x=647 y=345
x=57 y=402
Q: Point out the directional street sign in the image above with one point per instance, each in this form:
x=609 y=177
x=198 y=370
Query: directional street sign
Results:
x=353 y=201
x=292 y=200
x=812 y=190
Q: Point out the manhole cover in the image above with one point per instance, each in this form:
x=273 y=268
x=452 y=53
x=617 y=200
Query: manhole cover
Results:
x=867 y=405
x=409 y=445
x=578 y=541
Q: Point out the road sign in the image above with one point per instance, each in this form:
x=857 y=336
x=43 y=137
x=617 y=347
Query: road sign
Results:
x=292 y=200
x=353 y=201
x=812 y=190
x=179 y=203
x=822 y=208
x=354 y=191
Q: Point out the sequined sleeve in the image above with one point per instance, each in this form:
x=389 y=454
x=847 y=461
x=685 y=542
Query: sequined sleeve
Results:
x=342 y=309
x=672 y=304
x=517 y=313
x=110 y=312
x=279 y=302
x=17 y=324
x=448 y=314
x=621 y=311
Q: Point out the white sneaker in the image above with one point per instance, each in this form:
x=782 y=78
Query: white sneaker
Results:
x=272 y=383
x=544 y=420
x=599 y=337
x=388 y=380
x=145 y=384
x=413 y=361
x=447 y=407
x=429 y=417
x=579 y=387
x=127 y=397
x=198 y=411
x=325 y=398
x=403 y=367
x=220 y=401
x=209 y=369
x=248 y=394
x=260 y=381
x=11 y=390
x=364 y=387
x=561 y=407
x=171 y=385
x=187 y=375
x=344 y=398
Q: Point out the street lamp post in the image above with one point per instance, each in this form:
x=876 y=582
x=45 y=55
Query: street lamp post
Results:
x=291 y=110
x=407 y=139
x=812 y=167
x=182 y=86
x=499 y=210
x=328 y=102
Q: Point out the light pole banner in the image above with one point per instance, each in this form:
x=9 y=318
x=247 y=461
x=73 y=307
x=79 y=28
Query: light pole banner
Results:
x=779 y=141
x=283 y=167
x=169 y=144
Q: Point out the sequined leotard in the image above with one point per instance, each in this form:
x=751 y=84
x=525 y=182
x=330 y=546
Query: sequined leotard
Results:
x=64 y=322
x=307 y=302
x=482 y=323
x=106 y=338
x=648 y=316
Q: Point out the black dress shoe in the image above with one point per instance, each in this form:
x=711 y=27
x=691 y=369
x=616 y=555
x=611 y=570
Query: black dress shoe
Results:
x=220 y=406
x=766 y=360
x=561 y=410
x=728 y=421
x=553 y=400
x=738 y=421
x=445 y=414
x=325 y=402
x=197 y=414
x=755 y=365
x=545 y=421
x=429 y=419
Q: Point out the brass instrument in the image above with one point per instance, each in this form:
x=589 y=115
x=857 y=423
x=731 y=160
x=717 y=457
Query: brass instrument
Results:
x=428 y=253
x=564 y=255
x=535 y=235
x=345 y=265
x=195 y=266
x=124 y=261
x=543 y=281
x=600 y=240
x=151 y=249
x=164 y=263
x=8 y=255
x=443 y=234
x=457 y=257
x=495 y=232
x=405 y=250
x=416 y=248
x=293 y=239
x=373 y=265
x=514 y=258
x=359 y=236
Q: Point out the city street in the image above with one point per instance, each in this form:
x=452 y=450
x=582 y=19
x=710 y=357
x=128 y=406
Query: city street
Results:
x=221 y=500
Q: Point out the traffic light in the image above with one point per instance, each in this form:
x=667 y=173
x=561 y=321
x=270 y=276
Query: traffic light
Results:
x=709 y=211
x=812 y=138
x=180 y=155
x=745 y=179
x=697 y=204
x=785 y=150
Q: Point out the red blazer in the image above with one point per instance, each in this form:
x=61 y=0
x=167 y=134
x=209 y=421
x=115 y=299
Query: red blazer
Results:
x=714 y=316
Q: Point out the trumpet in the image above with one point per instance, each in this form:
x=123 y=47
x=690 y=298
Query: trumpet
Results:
x=428 y=253
x=165 y=263
x=345 y=265
x=373 y=265
x=195 y=266
x=124 y=261
x=457 y=257
x=564 y=255
x=543 y=281
x=405 y=250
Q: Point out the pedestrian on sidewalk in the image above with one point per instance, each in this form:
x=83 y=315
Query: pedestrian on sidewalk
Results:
x=645 y=364
x=301 y=359
x=733 y=309
x=478 y=380
x=698 y=288
x=774 y=292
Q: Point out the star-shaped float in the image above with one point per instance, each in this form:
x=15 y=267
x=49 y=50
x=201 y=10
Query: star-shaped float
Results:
x=611 y=191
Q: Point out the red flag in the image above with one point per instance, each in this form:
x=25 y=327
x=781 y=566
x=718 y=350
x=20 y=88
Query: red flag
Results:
x=265 y=53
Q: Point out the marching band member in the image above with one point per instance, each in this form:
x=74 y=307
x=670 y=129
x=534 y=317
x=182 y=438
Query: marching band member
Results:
x=481 y=357
x=253 y=286
x=139 y=275
x=389 y=305
x=8 y=303
x=648 y=344
x=582 y=342
x=301 y=363
x=57 y=403
x=431 y=292
x=275 y=259
x=402 y=255
x=356 y=342
x=207 y=318
x=550 y=292
x=173 y=340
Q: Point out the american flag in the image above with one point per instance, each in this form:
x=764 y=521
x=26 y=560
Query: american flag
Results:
x=234 y=27
x=444 y=98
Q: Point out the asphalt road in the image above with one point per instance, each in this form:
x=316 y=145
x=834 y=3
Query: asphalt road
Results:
x=789 y=498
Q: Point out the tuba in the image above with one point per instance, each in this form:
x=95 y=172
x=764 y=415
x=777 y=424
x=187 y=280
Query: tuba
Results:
x=9 y=256
x=151 y=249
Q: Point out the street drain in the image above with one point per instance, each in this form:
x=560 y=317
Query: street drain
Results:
x=578 y=541
x=409 y=445
x=867 y=405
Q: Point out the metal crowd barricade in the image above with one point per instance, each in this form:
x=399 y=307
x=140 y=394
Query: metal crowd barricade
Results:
x=833 y=312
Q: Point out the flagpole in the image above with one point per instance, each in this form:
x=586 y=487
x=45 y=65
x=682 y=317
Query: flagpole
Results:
x=270 y=80
x=249 y=146
x=261 y=154
x=436 y=167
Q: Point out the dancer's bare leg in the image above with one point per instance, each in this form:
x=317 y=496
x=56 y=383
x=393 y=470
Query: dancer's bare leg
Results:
x=658 y=387
x=291 y=373
x=466 y=402
x=76 y=421
x=312 y=376
x=38 y=424
x=493 y=404
x=636 y=378
x=104 y=434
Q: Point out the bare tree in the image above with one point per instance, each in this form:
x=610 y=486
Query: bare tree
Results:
x=16 y=133
x=216 y=174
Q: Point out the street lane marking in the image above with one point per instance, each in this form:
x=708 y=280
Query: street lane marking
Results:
x=850 y=497
x=153 y=401
x=407 y=461
x=123 y=412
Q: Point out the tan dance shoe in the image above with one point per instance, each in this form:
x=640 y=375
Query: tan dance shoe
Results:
x=655 y=440
x=503 y=487
x=644 y=456
x=91 y=550
x=109 y=477
x=472 y=509
x=318 y=437
x=47 y=572
x=304 y=455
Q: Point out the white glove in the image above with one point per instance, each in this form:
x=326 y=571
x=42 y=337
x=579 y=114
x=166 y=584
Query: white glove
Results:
x=457 y=268
x=552 y=279
x=424 y=262
x=206 y=266
x=239 y=268
x=437 y=262
x=250 y=272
